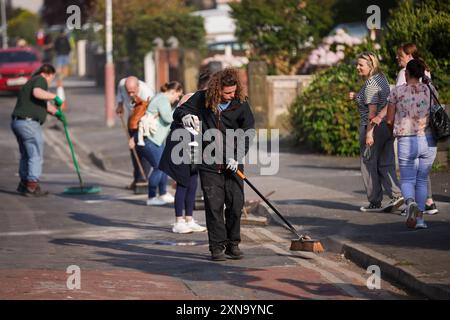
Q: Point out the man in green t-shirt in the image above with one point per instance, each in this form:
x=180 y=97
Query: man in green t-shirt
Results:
x=28 y=116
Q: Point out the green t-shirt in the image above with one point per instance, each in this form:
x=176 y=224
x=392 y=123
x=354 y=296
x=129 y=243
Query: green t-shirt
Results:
x=27 y=105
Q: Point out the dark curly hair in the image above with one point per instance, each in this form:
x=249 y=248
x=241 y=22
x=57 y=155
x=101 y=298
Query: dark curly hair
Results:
x=225 y=78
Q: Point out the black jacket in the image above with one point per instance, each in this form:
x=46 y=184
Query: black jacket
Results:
x=181 y=173
x=237 y=116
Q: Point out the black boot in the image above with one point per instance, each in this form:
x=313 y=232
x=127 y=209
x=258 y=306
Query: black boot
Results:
x=217 y=254
x=22 y=187
x=234 y=252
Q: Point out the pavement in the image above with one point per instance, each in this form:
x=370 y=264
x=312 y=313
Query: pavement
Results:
x=126 y=250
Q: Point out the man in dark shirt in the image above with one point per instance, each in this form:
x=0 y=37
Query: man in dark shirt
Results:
x=28 y=116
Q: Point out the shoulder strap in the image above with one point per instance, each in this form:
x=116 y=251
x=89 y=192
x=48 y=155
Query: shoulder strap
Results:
x=432 y=95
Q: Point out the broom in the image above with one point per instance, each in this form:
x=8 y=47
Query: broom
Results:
x=303 y=242
x=82 y=189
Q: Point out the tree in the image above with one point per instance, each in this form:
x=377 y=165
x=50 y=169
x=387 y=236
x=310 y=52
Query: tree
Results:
x=427 y=24
x=136 y=23
x=282 y=32
x=24 y=25
x=126 y=13
x=55 y=12
x=186 y=28
x=346 y=11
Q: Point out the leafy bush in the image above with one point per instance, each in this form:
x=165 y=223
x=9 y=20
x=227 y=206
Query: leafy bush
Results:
x=427 y=24
x=282 y=32
x=323 y=117
x=24 y=25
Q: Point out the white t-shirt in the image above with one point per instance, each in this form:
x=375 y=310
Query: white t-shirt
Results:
x=401 y=78
x=123 y=97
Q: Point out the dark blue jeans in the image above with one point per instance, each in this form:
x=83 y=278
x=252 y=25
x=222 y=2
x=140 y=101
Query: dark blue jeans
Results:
x=158 y=179
x=185 y=197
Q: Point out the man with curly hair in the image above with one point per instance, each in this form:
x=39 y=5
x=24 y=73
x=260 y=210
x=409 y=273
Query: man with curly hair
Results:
x=223 y=109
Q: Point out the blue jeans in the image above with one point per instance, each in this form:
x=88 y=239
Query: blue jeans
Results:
x=62 y=60
x=416 y=155
x=31 y=146
x=158 y=179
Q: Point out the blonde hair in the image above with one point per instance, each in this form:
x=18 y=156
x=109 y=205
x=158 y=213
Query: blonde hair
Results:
x=372 y=62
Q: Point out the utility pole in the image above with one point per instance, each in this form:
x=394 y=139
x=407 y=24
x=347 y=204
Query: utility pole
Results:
x=109 y=68
x=4 y=25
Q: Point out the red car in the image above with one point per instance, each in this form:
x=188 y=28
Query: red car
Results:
x=16 y=67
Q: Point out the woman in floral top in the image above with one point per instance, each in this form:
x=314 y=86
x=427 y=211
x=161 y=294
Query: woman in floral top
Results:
x=405 y=54
x=408 y=114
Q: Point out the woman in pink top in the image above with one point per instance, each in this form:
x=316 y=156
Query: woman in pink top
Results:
x=408 y=114
x=406 y=53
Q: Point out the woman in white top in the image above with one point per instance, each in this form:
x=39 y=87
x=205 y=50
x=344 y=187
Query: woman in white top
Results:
x=405 y=54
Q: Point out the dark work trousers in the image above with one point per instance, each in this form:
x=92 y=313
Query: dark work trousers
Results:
x=378 y=172
x=219 y=189
x=137 y=176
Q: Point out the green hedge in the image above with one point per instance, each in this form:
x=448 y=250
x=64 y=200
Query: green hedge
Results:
x=323 y=117
x=427 y=24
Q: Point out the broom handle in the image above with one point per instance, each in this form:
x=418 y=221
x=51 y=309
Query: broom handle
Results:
x=141 y=169
x=243 y=177
x=75 y=162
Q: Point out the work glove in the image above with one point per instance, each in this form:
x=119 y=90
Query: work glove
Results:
x=58 y=101
x=190 y=121
x=232 y=165
x=61 y=116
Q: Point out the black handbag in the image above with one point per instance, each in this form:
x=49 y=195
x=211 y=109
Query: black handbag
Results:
x=439 y=121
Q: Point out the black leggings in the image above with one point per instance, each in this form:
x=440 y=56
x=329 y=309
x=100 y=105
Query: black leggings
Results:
x=185 y=197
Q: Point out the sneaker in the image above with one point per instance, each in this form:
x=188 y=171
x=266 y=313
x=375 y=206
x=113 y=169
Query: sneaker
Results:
x=167 y=198
x=404 y=212
x=394 y=204
x=195 y=227
x=181 y=227
x=155 y=202
x=217 y=254
x=420 y=224
x=431 y=209
x=234 y=252
x=372 y=207
x=33 y=189
x=411 y=215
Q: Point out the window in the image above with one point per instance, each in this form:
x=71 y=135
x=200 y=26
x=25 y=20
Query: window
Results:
x=17 y=56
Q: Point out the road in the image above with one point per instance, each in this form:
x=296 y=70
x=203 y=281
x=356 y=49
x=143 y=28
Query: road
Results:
x=126 y=250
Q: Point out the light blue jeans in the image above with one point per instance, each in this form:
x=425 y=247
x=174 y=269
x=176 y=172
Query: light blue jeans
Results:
x=416 y=155
x=31 y=146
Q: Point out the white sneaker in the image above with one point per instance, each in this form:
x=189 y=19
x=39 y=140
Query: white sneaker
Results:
x=155 y=202
x=195 y=227
x=181 y=227
x=167 y=198
x=411 y=215
x=420 y=224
